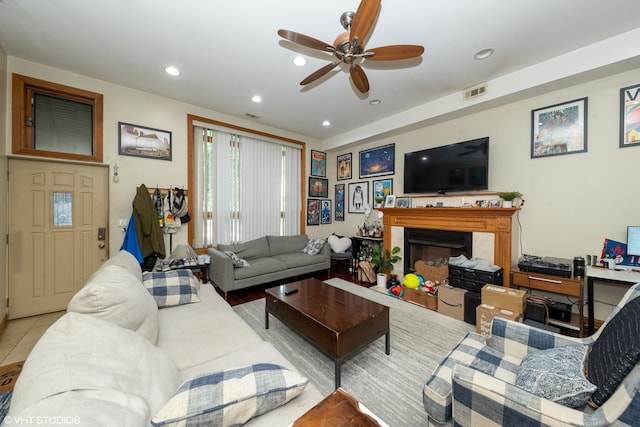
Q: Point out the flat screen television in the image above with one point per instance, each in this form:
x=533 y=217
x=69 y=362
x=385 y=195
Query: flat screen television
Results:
x=463 y=166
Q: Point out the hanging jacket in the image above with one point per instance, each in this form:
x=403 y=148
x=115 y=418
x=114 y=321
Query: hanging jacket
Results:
x=180 y=207
x=130 y=243
x=171 y=222
x=147 y=225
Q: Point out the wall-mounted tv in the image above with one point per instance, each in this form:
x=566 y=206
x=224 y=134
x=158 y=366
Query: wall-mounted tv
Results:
x=463 y=166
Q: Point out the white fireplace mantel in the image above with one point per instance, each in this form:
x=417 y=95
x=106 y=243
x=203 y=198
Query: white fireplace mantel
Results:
x=489 y=220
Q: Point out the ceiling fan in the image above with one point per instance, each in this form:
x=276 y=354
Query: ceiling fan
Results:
x=349 y=48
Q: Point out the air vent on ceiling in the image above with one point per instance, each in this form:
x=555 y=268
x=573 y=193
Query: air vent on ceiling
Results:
x=475 y=91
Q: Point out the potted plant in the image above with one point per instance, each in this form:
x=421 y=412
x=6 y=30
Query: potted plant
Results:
x=509 y=197
x=383 y=262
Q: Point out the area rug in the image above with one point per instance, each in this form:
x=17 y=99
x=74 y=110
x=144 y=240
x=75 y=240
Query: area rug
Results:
x=8 y=376
x=390 y=386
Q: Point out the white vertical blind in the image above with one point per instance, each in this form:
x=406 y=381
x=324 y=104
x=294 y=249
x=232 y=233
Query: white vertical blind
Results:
x=291 y=191
x=254 y=188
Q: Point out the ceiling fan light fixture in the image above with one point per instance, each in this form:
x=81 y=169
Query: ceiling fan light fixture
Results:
x=483 y=54
x=299 y=61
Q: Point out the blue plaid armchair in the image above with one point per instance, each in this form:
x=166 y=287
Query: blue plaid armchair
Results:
x=475 y=384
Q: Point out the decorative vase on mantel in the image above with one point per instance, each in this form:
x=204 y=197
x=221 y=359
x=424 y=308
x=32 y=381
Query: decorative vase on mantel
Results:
x=381 y=280
x=508 y=197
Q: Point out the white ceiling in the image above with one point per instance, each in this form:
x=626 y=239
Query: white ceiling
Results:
x=229 y=51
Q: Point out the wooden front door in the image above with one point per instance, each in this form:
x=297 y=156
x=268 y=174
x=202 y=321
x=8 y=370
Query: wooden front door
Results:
x=58 y=219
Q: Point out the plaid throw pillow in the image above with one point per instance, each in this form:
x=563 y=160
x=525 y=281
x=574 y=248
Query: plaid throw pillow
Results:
x=172 y=289
x=231 y=397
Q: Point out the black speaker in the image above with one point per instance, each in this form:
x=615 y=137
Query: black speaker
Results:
x=536 y=312
x=471 y=301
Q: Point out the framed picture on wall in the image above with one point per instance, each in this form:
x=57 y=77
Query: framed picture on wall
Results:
x=381 y=189
x=313 y=212
x=343 y=163
x=339 y=197
x=325 y=212
x=377 y=161
x=630 y=116
x=318 y=187
x=141 y=141
x=358 y=196
x=559 y=129
x=318 y=163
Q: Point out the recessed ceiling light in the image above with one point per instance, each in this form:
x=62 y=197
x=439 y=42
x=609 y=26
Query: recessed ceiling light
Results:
x=256 y=98
x=299 y=61
x=172 y=71
x=375 y=102
x=326 y=123
x=483 y=54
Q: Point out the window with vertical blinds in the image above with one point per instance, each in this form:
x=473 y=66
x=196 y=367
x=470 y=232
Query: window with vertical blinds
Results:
x=57 y=121
x=245 y=187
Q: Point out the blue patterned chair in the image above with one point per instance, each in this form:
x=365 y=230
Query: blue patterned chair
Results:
x=475 y=385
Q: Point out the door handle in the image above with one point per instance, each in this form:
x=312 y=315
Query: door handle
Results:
x=101 y=245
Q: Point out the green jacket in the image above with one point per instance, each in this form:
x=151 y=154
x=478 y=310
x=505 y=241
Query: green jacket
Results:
x=148 y=229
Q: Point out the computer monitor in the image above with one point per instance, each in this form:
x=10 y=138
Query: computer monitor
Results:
x=633 y=240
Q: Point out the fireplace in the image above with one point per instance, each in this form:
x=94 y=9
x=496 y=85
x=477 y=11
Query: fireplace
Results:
x=426 y=244
x=494 y=222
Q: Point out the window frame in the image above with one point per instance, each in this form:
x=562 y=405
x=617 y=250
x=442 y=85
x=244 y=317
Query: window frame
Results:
x=192 y=118
x=23 y=88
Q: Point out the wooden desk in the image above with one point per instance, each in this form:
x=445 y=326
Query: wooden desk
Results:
x=616 y=277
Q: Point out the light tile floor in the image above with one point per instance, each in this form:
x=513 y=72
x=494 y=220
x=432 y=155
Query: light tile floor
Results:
x=22 y=334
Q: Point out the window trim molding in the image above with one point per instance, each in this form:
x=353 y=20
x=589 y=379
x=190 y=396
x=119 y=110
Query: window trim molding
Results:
x=21 y=134
x=191 y=119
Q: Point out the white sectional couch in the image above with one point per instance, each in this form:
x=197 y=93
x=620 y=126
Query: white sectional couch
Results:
x=115 y=358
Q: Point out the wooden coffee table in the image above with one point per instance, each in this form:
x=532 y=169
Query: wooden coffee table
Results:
x=337 y=322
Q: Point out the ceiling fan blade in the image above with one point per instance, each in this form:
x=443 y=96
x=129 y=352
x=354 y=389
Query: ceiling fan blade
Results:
x=359 y=78
x=363 y=21
x=394 y=52
x=319 y=73
x=306 y=41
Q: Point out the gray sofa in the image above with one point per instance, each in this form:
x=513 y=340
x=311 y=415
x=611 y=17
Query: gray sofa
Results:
x=270 y=258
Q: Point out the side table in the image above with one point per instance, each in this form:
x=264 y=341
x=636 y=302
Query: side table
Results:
x=336 y=410
x=199 y=270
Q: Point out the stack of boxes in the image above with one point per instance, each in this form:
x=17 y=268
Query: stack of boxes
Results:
x=498 y=301
x=451 y=301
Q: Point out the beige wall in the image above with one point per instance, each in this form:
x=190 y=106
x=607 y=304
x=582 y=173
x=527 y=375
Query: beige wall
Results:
x=133 y=106
x=573 y=202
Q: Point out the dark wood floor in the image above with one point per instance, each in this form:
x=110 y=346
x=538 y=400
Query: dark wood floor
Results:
x=340 y=270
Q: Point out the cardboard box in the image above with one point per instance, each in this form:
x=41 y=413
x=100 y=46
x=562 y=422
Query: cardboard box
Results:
x=507 y=298
x=485 y=314
x=420 y=297
x=451 y=301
